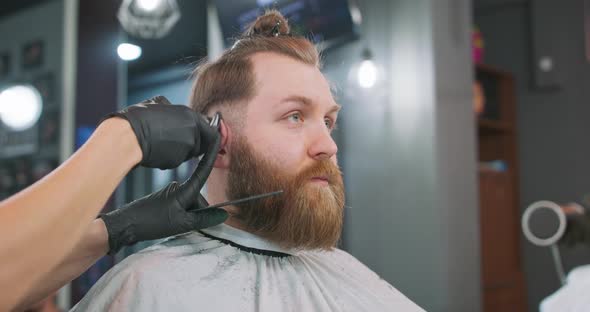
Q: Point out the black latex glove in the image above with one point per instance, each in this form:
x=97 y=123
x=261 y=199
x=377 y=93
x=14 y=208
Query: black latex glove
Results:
x=164 y=213
x=577 y=230
x=167 y=134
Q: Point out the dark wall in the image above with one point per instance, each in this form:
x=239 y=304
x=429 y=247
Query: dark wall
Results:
x=97 y=76
x=552 y=110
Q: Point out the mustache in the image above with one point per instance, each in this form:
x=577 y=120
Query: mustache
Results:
x=323 y=169
x=293 y=183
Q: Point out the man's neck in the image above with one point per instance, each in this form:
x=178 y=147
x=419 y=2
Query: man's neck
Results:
x=232 y=210
x=216 y=185
x=233 y=222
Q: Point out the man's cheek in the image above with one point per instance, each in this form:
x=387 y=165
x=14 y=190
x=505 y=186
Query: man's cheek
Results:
x=284 y=160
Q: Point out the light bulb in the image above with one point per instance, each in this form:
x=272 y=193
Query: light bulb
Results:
x=148 y=5
x=20 y=107
x=128 y=51
x=367 y=74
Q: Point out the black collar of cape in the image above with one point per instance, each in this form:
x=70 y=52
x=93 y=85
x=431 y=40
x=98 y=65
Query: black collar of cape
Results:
x=257 y=251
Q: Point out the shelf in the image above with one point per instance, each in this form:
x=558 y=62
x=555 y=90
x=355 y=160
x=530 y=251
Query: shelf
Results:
x=499 y=208
x=486 y=126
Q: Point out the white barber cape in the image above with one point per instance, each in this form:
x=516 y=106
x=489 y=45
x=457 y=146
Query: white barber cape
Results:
x=226 y=269
x=573 y=296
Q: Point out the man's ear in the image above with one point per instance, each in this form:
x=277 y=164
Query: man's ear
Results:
x=222 y=160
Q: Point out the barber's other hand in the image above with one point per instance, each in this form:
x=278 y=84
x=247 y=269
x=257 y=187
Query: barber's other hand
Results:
x=164 y=213
x=167 y=134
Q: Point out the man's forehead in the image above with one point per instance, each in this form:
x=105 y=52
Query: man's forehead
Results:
x=305 y=101
x=280 y=76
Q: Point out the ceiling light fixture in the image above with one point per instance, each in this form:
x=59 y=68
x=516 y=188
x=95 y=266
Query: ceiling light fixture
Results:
x=148 y=19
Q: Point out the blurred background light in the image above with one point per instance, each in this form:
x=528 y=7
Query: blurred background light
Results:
x=367 y=74
x=128 y=51
x=20 y=107
x=148 y=5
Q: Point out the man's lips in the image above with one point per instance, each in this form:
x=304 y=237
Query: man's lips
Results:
x=321 y=179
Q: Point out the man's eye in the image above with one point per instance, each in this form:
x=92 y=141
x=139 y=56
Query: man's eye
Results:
x=331 y=124
x=295 y=117
x=328 y=123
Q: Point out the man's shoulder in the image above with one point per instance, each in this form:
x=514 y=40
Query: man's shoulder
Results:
x=171 y=265
x=192 y=245
x=357 y=278
x=339 y=257
x=341 y=262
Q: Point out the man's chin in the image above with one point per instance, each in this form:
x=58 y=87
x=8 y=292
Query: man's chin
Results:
x=319 y=195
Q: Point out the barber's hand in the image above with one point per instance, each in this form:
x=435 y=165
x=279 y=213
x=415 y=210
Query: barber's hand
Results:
x=164 y=213
x=167 y=134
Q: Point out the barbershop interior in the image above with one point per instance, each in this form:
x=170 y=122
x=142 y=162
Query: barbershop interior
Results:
x=460 y=142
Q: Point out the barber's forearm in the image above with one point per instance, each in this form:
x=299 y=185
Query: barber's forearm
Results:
x=50 y=217
x=93 y=245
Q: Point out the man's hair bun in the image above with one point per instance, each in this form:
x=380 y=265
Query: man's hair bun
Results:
x=271 y=24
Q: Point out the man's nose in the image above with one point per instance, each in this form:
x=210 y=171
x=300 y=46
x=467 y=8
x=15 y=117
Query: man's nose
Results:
x=322 y=145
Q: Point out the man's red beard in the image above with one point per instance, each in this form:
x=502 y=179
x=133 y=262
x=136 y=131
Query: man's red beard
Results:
x=305 y=216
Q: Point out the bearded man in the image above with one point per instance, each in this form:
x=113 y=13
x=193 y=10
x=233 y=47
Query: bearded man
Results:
x=278 y=253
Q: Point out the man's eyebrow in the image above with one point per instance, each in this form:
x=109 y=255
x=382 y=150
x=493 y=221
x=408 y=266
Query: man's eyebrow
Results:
x=307 y=102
